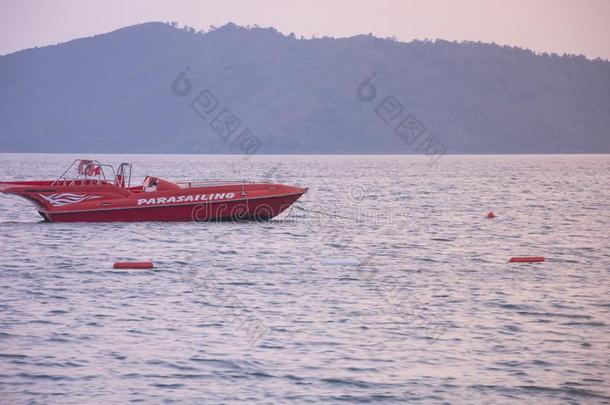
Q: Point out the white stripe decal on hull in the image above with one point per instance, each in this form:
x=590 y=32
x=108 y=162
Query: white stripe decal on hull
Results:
x=59 y=200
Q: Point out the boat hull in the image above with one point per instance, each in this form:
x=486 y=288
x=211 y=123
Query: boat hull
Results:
x=104 y=202
x=259 y=209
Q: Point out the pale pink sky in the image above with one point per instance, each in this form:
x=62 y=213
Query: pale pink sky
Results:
x=580 y=27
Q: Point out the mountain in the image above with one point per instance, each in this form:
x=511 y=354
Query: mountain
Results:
x=122 y=92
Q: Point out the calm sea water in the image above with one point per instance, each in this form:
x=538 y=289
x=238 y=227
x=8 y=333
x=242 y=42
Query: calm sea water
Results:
x=250 y=312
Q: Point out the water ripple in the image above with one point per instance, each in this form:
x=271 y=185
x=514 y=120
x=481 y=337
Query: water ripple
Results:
x=247 y=313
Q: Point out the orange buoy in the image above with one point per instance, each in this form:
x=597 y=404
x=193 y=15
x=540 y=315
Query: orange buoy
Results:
x=491 y=215
x=133 y=265
x=529 y=259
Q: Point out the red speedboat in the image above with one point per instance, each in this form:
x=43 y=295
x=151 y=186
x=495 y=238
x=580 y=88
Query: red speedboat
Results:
x=84 y=193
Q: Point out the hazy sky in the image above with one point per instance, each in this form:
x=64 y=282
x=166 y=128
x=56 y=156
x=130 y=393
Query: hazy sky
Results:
x=577 y=26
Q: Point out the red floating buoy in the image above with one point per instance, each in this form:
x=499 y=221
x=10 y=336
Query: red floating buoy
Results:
x=133 y=265
x=491 y=215
x=530 y=259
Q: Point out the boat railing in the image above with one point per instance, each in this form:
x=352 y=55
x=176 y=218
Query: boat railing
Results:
x=213 y=182
x=98 y=176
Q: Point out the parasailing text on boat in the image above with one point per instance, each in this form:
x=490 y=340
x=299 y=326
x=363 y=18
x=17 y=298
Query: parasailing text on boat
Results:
x=186 y=198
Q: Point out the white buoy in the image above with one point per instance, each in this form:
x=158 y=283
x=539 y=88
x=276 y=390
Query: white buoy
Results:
x=341 y=261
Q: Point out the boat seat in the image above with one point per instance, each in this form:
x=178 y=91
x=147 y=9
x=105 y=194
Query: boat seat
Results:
x=149 y=184
x=157 y=184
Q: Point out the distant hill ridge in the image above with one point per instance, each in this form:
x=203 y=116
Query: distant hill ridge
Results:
x=156 y=88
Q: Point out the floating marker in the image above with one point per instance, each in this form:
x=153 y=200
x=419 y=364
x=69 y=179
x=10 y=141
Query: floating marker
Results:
x=347 y=261
x=133 y=265
x=491 y=215
x=529 y=259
